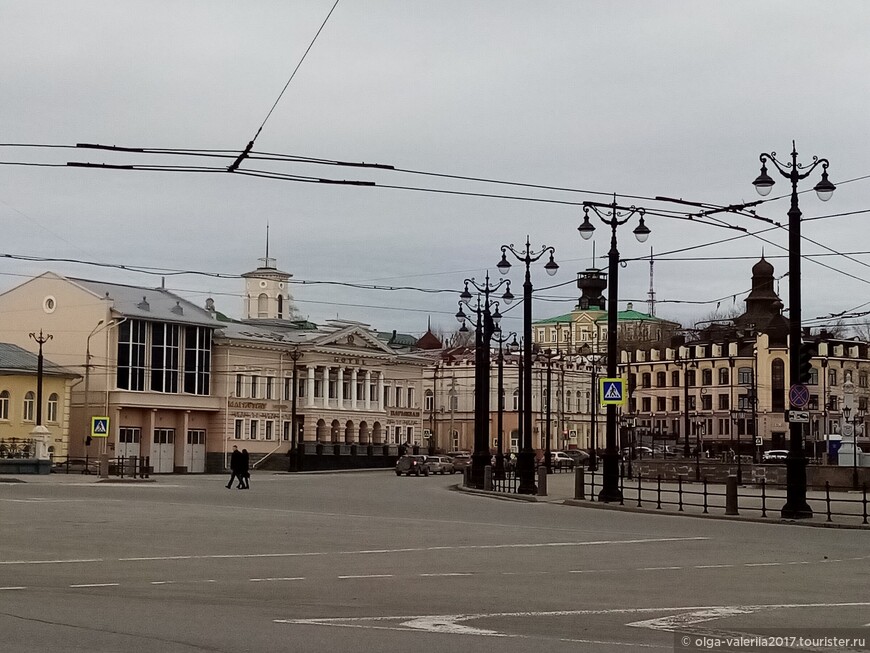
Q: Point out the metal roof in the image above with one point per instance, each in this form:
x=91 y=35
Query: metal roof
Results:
x=157 y=304
x=16 y=359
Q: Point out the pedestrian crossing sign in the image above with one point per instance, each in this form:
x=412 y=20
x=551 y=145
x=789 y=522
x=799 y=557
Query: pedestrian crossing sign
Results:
x=611 y=391
x=99 y=427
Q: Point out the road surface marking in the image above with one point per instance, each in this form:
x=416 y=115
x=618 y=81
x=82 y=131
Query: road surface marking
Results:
x=96 y=585
x=712 y=566
x=14 y=587
x=49 y=562
x=367 y=576
x=454 y=573
x=453 y=624
x=263 y=580
x=658 y=568
x=763 y=564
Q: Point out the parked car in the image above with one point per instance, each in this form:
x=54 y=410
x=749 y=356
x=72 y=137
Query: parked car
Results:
x=440 y=465
x=77 y=466
x=415 y=465
x=579 y=456
x=774 y=456
x=560 y=460
x=664 y=452
x=461 y=459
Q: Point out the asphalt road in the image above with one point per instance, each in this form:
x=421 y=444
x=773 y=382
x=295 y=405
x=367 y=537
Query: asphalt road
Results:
x=372 y=562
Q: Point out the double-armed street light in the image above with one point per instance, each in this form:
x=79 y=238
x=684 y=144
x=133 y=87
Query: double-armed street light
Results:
x=855 y=427
x=526 y=457
x=613 y=216
x=796 y=506
x=486 y=323
x=549 y=356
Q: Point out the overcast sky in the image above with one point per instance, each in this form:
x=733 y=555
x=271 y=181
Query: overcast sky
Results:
x=642 y=98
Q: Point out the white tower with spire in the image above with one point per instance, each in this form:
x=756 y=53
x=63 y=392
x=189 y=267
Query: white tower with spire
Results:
x=267 y=291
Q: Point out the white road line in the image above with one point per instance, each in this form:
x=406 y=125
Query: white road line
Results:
x=595 y=571
x=712 y=566
x=658 y=568
x=448 y=574
x=367 y=576
x=49 y=562
x=96 y=585
x=464 y=547
x=13 y=587
x=263 y=580
x=763 y=564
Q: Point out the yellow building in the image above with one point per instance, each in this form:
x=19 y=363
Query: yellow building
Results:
x=19 y=411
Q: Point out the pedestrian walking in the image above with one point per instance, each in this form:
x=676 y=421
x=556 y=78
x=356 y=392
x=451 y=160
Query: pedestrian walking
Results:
x=245 y=474
x=235 y=466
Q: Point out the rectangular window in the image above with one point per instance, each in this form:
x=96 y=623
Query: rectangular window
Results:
x=240 y=385
x=646 y=404
x=318 y=388
x=398 y=397
x=724 y=376
x=675 y=379
x=429 y=402
x=164 y=436
x=333 y=389
x=398 y=435
x=4 y=405
x=255 y=386
x=706 y=402
x=675 y=403
x=345 y=390
x=164 y=357
x=724 y=402
x=409 y=433
x=51 y=413
x=832 y=377
x=288 y=389
x=29 y=403
x=131 y=355
x=128 y=435
x=239 y=429
x=254 y=431
x=661 y=403
x=285 y=430
x=707 y=377
x=270 y=427
x=197 y=360
x=410 y=403
x=196 y=436
x=270 y=387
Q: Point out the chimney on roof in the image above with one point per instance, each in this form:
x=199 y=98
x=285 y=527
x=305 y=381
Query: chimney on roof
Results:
x=177 y=309
x=144 y=305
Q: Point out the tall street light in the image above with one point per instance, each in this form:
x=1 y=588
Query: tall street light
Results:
x=40 y=339
x=295 y=457
x=486 y=323
x=549 y=356
x=594 y=359
x=526 y=457
x=501 y=339
x=796 y=506
x=854 y=427
x=614 y=217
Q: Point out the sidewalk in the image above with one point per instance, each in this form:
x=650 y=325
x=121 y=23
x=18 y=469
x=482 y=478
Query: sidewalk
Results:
x=849 y=509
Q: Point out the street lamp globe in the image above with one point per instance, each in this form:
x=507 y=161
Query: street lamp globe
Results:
x=824 y=189
x=587 y=228
x=551 y=267
x=508 y=296
x=465 y=296
x=496 y=317
x=641 y=231
x=503 y=265
x=764 y=182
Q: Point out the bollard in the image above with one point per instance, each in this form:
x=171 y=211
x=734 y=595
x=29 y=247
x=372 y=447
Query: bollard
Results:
x=639 y=490
x=579 y=484
x=680 y=489
x=104 y=465
x=466 y=476
x=828 y=499
x=542 y=481
x=487 y=478
x=147 y=471
x=731 y=496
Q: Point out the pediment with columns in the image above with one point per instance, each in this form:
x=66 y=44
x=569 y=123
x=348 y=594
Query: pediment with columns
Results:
x=353 y=339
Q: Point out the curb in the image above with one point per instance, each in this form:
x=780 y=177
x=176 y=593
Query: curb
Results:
x=528 y=498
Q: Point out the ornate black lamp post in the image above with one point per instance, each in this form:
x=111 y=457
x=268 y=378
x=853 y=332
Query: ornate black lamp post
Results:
x=526 y=457
x=796 y=506
x=501 y=339
x=614 y=217
x=486 y=323
x=40 y=339
x=295 y=453
x=594 y=360
x=549 y=356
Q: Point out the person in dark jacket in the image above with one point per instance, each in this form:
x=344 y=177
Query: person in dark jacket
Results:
x=244 y=473
x=235 y=466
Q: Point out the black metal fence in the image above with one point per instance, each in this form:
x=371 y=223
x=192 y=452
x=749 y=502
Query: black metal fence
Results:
x=651 y=492
x=122 y=467
x=17 y=448
x=509 y=483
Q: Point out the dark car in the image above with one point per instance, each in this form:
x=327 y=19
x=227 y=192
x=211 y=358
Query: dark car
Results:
x=76 y=466
x=461 y=459
x=415 y=465
x=579 y=456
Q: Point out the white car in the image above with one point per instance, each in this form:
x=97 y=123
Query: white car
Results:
x=561 y=460
x=774 y=456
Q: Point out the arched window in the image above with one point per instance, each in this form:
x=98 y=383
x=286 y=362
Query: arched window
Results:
x=29 y=404
x=51 y=413
x=280 y=306
x=429 y=401
x=263 y=305
x=4 y=404
x=568 y=406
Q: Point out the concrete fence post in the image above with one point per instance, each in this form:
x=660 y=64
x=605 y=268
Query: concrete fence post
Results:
x=580 y=484
x=487 y=478
x=731 y=496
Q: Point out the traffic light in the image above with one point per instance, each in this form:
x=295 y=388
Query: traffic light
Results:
x=88 y=441
x=807 y=352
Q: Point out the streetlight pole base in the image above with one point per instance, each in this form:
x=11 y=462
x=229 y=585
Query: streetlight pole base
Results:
x=610 y=492
x=526 y=472
x=796 y=506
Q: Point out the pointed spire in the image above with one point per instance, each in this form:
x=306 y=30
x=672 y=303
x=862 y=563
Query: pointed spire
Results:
x=267 y=262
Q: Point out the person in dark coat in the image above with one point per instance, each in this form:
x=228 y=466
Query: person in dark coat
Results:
x=235 y=466
x=244 y=473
